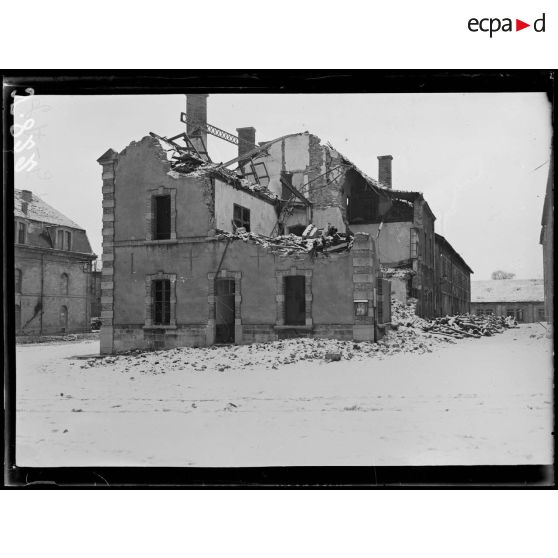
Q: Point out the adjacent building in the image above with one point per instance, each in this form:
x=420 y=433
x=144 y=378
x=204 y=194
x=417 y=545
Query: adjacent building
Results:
x=547 y=241
x=53 y=259
x=521 y=299
x=453 y=280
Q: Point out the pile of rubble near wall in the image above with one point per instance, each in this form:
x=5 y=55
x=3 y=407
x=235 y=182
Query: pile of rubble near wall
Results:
x=456 y=327
x=314 y=242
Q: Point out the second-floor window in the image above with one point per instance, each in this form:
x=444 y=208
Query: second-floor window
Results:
x=21 y=231
x=162 y=217
x=241 y=217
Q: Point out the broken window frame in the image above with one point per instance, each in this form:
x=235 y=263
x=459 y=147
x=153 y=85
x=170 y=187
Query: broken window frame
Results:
x=241 y=216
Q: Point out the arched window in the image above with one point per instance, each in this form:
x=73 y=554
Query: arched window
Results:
x=18 y=280
x=17 y=317
x=65 y=283
x=64 y=319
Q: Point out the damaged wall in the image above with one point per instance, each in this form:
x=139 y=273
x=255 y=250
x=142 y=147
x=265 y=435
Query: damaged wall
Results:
x=143 y=168
x=331 y=282
x=263 y=215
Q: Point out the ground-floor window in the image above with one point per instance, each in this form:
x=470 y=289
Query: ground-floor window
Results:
x=540 y=315
x=515 y=313
x=161 y=302
x=484 y=311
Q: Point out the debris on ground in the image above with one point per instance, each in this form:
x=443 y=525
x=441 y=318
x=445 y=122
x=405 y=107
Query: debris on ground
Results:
x=469 y=325
x=458 y=326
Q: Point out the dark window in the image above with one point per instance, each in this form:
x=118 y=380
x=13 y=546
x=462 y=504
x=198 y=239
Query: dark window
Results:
x=295 y=300
x=68 y=239
x=21 y=229
x=60 y=240
x=540 y=315
x=362 y=202
x=161 y=302
x=162 y=214
x=297 y=229
x=18 y=280
x=241 y=217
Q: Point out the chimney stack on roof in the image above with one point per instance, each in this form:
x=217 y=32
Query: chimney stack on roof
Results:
x=196 y=111
x=246 y=139
x=384 y=170
x=27 y=195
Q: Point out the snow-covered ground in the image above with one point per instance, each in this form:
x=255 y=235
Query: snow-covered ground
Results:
x=469 y=402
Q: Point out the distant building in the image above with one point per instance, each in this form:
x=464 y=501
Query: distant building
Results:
x=522 y=299
x=52 y=257
x=453 y=280
x=547 y=241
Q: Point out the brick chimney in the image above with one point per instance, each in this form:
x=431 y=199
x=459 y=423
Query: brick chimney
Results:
x=384 y=170
x=246 y=139
x=196 y=110
x=27 y=195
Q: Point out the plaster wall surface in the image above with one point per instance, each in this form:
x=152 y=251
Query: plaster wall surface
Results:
x=393 y=244
x=262 y=213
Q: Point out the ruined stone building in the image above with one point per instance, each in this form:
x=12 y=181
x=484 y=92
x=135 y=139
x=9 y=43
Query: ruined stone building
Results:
x=52 y=258
x=288 y=238
x=547 y=241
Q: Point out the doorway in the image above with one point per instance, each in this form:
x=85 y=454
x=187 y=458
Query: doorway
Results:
x=224 y=310
x=295 y=300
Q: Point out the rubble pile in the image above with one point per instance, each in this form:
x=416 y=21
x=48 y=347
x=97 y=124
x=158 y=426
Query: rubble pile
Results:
x=405 y=314
x=457 y=327
x=469 y=325
x=313 y=241
x=268 y=356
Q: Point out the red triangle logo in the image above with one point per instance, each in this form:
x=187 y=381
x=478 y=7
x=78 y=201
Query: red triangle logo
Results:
x=519 y=25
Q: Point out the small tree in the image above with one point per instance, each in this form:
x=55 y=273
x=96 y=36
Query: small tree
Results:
x=500 y=274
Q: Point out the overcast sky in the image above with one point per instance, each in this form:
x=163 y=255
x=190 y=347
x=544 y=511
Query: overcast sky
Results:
x=474 y=156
